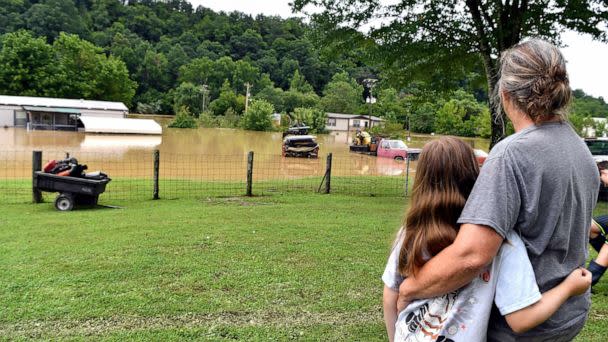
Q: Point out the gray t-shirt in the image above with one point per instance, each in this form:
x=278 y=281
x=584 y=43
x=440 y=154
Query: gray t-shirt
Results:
x=463 y=315
x=543 y=183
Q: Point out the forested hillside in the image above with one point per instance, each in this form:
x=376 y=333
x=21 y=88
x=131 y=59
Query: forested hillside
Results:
x=167 y=57
x=164 y=45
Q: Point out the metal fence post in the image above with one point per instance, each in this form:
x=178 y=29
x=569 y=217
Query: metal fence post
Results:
x=249 y=173
x=328 y=174
x=156 y=173
x=36 y=166
x=407 y=174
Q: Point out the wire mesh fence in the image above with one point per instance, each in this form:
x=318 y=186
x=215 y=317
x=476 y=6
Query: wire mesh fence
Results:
x=139 y=175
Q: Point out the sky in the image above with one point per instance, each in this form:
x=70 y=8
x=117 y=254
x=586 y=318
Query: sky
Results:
x=587 y=59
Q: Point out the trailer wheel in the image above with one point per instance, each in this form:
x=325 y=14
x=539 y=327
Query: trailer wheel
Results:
x=64 y=202
x=399 y=158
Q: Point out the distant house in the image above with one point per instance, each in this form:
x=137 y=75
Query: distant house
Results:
x=44 y=113
x=350 y=122
x=590 y=131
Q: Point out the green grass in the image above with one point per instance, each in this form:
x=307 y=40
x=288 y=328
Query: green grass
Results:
x=278 y=267
x=282 y=267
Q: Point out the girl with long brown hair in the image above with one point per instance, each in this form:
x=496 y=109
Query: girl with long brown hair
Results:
x=445 y=176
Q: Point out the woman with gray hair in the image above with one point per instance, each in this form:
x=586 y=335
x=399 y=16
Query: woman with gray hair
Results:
x=540 y=182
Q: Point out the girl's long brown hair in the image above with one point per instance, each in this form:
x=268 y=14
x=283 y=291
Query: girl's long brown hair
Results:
x=445 y=175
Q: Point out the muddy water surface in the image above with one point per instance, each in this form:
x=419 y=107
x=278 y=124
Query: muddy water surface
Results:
x=204 y=153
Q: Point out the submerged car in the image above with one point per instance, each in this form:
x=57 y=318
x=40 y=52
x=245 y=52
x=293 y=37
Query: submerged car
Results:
x=303 y=146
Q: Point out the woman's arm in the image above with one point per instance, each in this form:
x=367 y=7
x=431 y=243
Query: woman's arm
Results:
x=389 y=300
x=530 y=317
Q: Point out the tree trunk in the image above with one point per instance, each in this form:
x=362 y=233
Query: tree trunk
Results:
x=490 y=66
x=496 y=114
x=498 y=122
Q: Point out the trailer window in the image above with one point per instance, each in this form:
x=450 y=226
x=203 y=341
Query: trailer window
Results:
x=20 y=118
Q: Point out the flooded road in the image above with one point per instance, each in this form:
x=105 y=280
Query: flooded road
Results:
x=204 y=153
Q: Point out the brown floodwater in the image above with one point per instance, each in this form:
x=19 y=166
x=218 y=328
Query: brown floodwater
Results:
x=203 y=153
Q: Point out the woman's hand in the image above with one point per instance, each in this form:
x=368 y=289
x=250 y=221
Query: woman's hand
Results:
x=578 y=282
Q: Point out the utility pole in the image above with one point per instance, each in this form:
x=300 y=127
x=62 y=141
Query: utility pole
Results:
x=248 y=85
x=370 y=83
x=205 y=90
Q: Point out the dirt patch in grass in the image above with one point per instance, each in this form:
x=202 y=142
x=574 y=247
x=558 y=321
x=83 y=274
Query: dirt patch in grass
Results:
x=108 y=325
x=237 y=201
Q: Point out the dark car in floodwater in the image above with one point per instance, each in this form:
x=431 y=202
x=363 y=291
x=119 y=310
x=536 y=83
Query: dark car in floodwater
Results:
x=303 y=146
x=598 y=148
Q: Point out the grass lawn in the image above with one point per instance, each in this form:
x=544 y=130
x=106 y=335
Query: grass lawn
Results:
x=281 y=267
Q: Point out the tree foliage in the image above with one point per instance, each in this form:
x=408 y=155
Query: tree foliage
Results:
x=315 y=118
x=435 y=39
x=462 y=115
x=190 y=96
x=257 y=117
x=226 y=100
x=164 y=44
x=71 y=68
x=588 y=106
x=342 y=94
x=183 y=119
x=156 y=55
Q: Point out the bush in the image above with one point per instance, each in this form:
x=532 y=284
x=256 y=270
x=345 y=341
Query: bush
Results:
x=315 y=118
x=230 y=119
x=257 y=117
x=390 y=129
x=183 y=119
x=207 y=119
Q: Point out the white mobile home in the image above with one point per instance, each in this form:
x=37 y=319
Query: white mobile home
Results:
x=69 y=115
x=349 y=122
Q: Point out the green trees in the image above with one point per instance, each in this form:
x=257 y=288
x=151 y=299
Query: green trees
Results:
x=390 y=106
x=226 y=100
x=157 y=56
x=586 y=105
x=204 y=71
x=27 y=66
x=313 y=117
x=257 y=117
x=168 y=49
x=113 y=82
x=342 y=94
x=190 y=96
x=423 y=39
x=51 y=17
x=462 y=115
x=71 y=68
x=183 y=119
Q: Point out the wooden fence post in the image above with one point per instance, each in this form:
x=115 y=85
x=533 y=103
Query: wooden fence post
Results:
x=249 y=173
x=156 y=173
x=328 y=173
x=36 y=166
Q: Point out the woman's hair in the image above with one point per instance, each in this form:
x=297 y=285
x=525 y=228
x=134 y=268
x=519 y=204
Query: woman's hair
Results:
x=533 y=74
x=445 y=175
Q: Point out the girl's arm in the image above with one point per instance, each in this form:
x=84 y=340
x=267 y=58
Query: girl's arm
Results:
x=529 y=317
x=389 y=300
